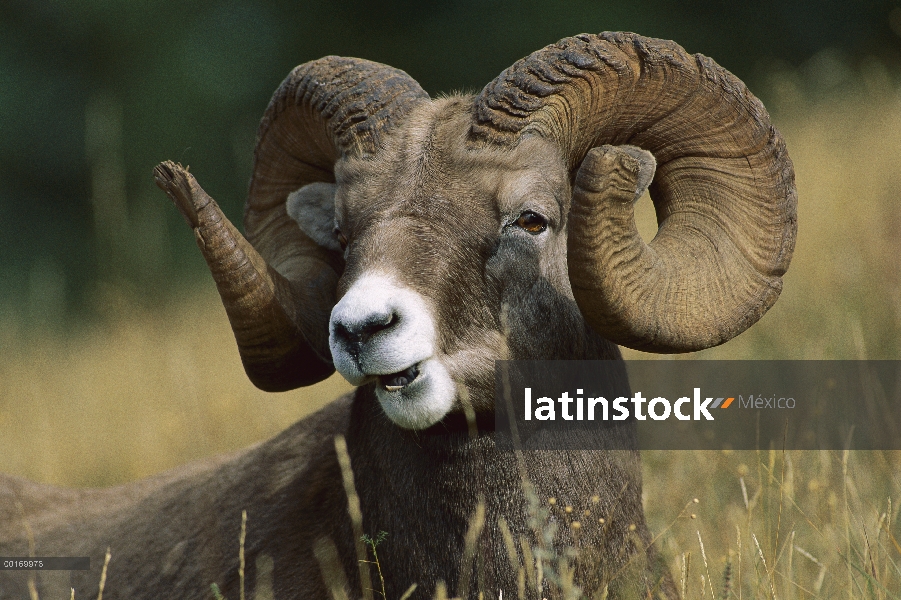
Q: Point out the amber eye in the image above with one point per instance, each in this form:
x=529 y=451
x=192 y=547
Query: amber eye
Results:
x=342 y=239
x=531 y=222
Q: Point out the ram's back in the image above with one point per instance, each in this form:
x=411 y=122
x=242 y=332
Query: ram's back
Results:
x=177 y=533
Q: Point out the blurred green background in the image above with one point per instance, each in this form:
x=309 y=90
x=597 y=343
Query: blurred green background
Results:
x=106 y=304
x=94 y=93
x=116 y=359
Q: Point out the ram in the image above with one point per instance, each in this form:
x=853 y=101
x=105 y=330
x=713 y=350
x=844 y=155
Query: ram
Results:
x=410 y=243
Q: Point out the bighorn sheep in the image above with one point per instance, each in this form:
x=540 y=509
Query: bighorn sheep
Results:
x=409 y=243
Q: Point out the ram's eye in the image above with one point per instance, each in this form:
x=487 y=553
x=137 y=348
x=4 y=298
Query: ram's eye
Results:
x=342 y=239
x=531 y=222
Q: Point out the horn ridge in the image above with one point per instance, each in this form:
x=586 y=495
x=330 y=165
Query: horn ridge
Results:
x=323 y=109
x=723 y=191
x=340 y=91
x=277 y=285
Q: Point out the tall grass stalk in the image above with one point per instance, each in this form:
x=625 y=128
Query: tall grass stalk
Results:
x=356 y=515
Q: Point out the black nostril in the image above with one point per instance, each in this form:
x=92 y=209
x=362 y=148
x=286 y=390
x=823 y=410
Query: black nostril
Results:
x=373 y=326
x=343 y=333
x=356 y=334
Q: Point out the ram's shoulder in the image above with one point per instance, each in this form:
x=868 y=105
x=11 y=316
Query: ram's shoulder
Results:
x=308 y=438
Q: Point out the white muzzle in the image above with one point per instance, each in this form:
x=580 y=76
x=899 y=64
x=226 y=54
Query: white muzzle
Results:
x=383 y=331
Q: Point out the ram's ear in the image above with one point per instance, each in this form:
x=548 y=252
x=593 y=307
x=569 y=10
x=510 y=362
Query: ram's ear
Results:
x=313 y=208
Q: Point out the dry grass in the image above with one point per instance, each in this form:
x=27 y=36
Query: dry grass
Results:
x=141 y=394
x=153 y=390
x=824 y=521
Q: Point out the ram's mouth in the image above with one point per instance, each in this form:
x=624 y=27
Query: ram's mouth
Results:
x=396 y=381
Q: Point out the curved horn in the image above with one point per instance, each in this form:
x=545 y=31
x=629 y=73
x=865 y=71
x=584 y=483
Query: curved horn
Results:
x=724 y=189
x=279 y=288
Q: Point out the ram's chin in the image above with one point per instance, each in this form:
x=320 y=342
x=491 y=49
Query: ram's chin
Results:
x=422 y=402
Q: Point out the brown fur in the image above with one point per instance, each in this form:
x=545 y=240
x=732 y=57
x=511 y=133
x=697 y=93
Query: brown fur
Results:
x=433 y=211
x=429 y=192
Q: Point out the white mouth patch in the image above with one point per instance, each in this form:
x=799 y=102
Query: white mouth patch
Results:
x=422 y=402
x=382 y=330
x=397 y=381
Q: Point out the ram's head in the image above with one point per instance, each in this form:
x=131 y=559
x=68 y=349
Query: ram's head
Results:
x=411 y=242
